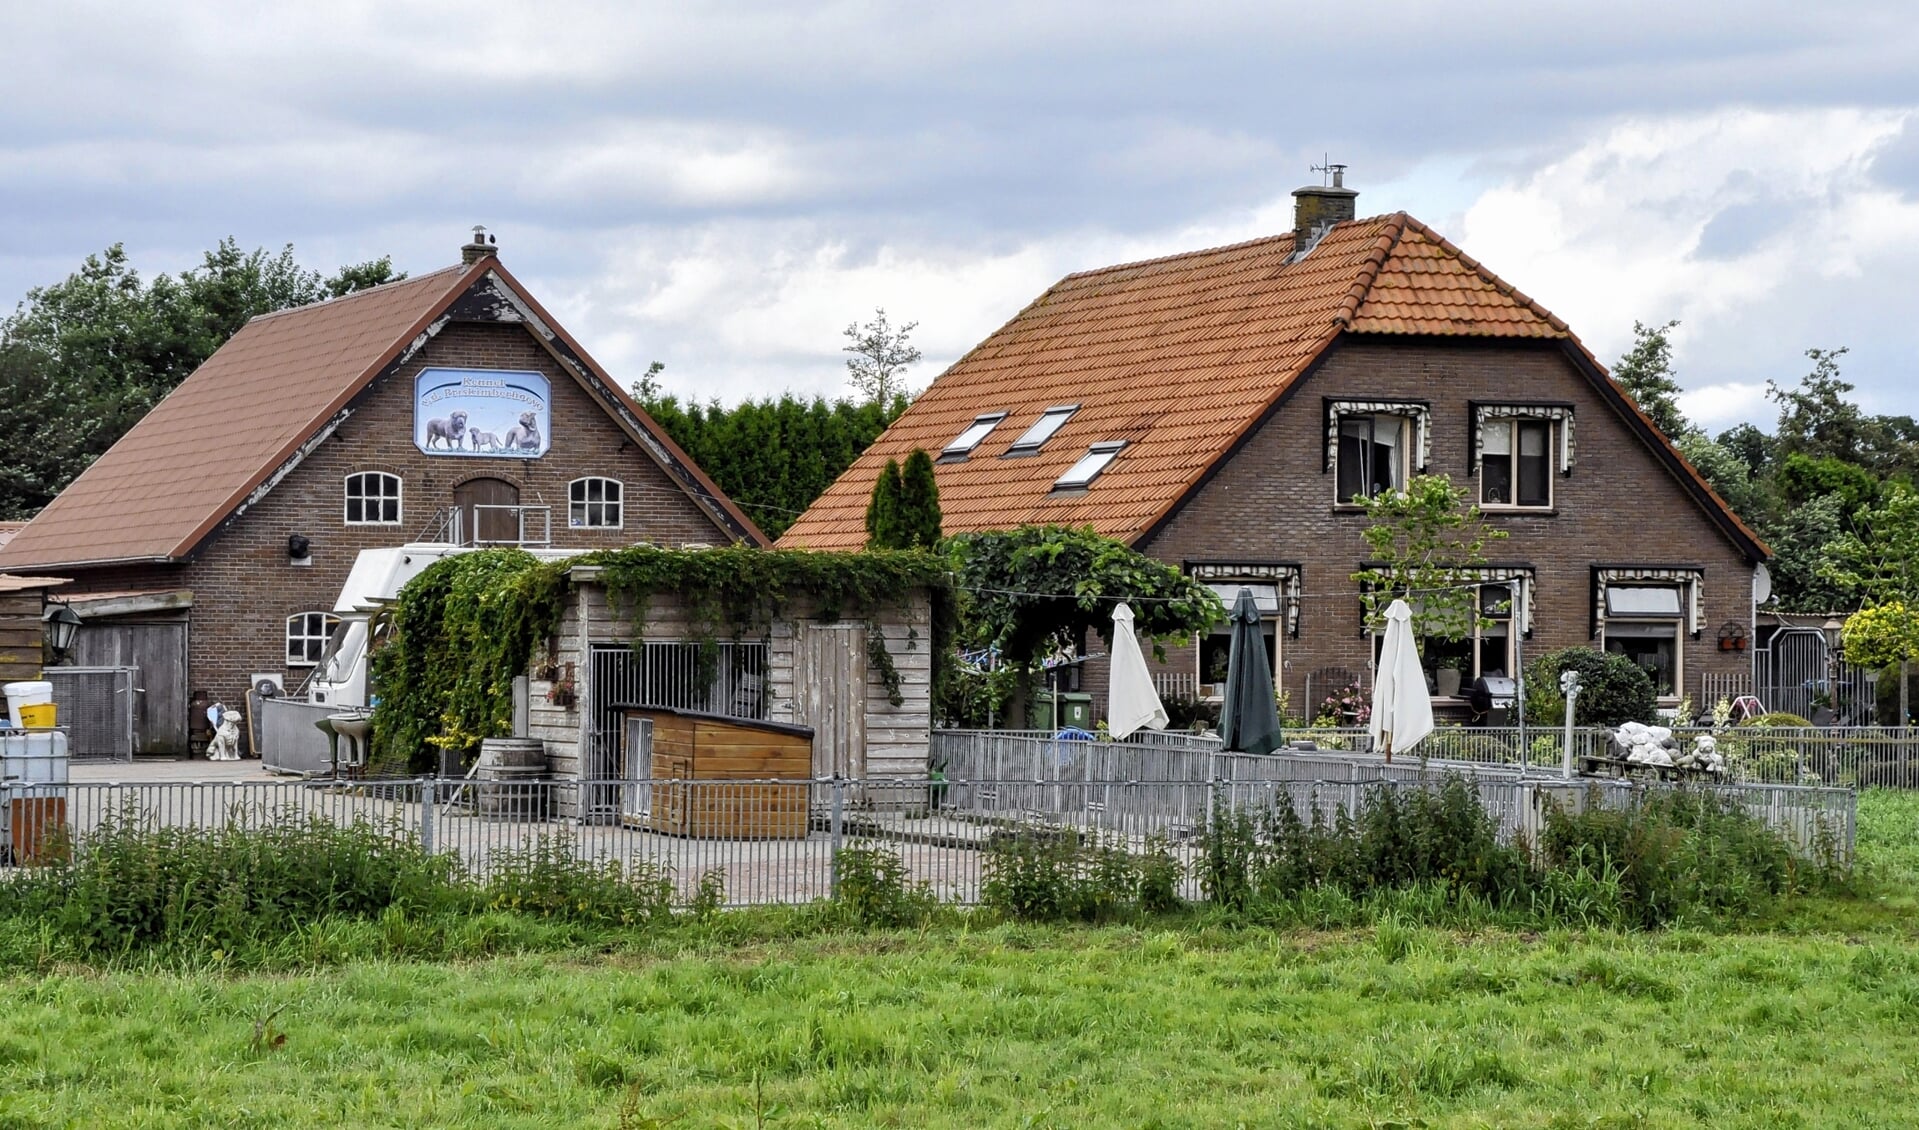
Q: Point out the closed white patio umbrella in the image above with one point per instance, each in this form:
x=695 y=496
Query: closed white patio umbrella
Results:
x=1132 y=702
x=1402 y=710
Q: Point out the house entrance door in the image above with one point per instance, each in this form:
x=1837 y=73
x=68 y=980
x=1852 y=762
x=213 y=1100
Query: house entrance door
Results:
x=488 y=514
x=829 y=689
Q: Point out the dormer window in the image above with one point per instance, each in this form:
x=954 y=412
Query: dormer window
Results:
x=964 y=443
x=1050 y=421
x=1082 y=473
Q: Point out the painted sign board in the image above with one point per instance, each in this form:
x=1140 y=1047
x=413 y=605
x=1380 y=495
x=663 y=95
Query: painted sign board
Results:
x=496 y=413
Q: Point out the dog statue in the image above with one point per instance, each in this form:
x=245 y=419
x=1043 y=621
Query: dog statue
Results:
x=525 y=435
x=449 y=430
x=225 y=745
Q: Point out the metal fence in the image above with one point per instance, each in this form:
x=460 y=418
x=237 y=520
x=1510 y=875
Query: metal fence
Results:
x=1841 y=756
x=777 y=841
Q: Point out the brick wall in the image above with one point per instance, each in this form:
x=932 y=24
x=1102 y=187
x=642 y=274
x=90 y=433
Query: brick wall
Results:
x=245 y=586
x=1273 y=501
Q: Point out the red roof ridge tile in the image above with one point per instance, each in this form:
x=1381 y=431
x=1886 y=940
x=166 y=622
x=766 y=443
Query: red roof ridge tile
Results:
x=1156 y=260
x=1369 y=268
x=1499 y=284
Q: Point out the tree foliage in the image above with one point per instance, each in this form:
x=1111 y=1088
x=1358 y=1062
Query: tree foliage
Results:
x=1429 y=540
x=96 y=351
x=883 y=524
x=1038 y=589
x=881 y=354
x=774 y=456
x=919 y=502
x=1883 y=635
x=1645 y=372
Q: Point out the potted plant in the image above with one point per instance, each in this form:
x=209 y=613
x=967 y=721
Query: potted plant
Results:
x=1446 y=682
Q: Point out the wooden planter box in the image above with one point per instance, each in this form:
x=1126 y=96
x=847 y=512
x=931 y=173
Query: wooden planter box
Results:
x=692 y=747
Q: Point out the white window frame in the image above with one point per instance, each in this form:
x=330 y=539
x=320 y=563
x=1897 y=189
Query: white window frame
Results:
x=1688 y=621
x=579 y=508
x=1513 y=618
x=1510 y=426
x=1043 y=429
x=1415 y=441
x=348 y=498
x=1090 y=466
x=981 y=427
x=1400 y=445
x=1678 y=627
x=299 y=628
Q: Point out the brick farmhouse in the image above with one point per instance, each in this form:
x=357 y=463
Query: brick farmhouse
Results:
x=1223 y=410
x=208 y=546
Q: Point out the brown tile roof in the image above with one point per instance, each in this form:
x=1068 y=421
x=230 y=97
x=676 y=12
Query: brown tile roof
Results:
x=1180 y=357
x=249 y=408
x=190 y=461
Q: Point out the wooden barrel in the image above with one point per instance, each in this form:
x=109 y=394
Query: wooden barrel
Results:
x=511 y=792
x=512 y=753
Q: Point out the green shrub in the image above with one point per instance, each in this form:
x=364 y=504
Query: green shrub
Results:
x=253 y=880
x=549 y=879
x=1777 y=719
x=873 y=888
x=1613 y=689
x=1049 y=875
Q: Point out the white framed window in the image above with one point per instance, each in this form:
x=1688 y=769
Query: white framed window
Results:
x=1486 y=649
x=1657 y=646
x=1371 y=454
x=1647 y=623
x=307 y=635
x=1516 y=463
x=964 y=443
x=372 y=499
x=595 y=503
x=1082 y=473
x=1049 y=422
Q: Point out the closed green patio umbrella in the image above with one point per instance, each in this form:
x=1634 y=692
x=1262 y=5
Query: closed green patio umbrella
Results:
x=1249 y=720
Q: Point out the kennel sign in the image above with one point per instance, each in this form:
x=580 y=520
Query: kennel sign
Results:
x=497 y=413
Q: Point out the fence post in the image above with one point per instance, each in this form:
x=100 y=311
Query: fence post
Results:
x=427 y=807
x=839 y=831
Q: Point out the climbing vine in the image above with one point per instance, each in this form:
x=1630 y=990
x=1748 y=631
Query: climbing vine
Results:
x=466 y=626
x=460 y=632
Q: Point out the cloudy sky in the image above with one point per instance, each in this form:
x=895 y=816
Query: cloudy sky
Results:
x=724 y=187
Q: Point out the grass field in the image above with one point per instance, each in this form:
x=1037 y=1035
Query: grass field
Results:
x=1809 y=1023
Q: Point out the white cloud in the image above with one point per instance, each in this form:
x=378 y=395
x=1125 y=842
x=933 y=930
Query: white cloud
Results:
x=1717 y=407
x=1740 y=224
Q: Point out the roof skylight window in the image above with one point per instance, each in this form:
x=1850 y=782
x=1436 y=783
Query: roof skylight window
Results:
x=1082 y=473
x=1049 y=421
x=964 y=443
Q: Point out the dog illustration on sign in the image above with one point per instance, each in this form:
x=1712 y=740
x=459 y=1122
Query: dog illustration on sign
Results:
x=482 y=440
x=525 y=435
x=449 y=430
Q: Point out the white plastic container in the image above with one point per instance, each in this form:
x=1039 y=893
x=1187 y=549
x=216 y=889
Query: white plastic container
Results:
x=29 y=704
x=43 y=761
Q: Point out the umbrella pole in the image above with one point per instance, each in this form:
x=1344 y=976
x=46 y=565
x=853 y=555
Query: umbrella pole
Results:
x=1386 y=737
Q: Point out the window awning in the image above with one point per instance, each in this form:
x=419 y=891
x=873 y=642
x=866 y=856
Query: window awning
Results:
x=1275 y=586
x=1649 y=591
x=1562 y=414
x=1419 y=411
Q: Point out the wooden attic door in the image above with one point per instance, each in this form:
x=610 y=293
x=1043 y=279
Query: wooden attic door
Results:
x=829 y=691
x=488 y=526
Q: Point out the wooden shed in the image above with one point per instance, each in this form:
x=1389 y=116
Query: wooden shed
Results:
x=671 y=754
x=23 y=602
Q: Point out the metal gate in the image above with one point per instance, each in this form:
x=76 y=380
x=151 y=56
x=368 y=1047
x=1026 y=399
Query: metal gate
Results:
x=1797 y=672
x=664 y=673
x=95 y=707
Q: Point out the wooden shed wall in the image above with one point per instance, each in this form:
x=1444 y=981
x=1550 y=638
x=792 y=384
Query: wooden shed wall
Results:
x=22 y=635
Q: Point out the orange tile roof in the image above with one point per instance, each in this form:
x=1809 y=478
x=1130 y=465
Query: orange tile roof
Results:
x=178 y=473
x=1180 y=357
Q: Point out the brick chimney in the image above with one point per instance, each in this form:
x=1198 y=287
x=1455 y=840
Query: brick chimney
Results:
x=1318 y=207
x=484 y=245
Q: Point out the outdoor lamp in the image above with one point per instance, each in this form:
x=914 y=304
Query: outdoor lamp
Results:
x=62 y=622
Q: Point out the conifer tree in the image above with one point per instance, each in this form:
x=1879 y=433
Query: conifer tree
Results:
x=883 y=512
x=919 y=502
